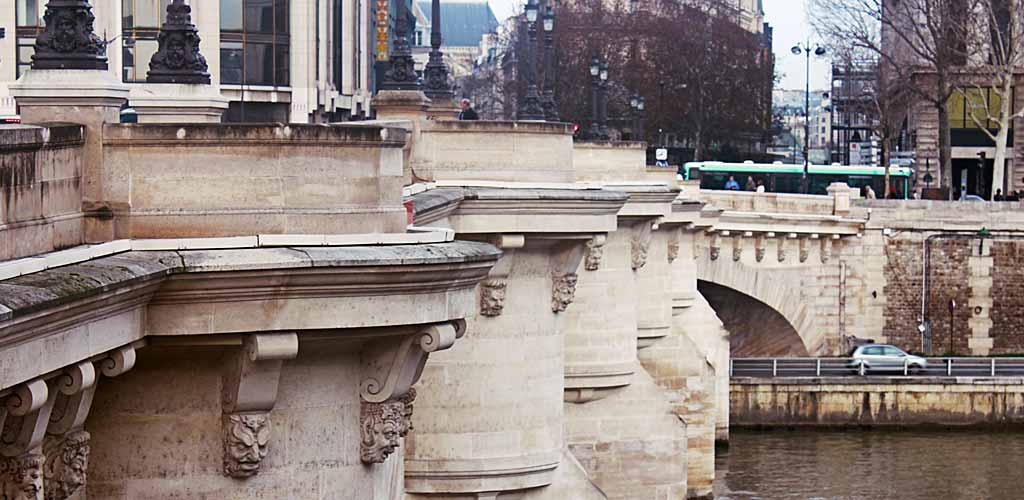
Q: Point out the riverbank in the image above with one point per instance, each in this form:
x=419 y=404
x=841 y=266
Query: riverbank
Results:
x=877 y=401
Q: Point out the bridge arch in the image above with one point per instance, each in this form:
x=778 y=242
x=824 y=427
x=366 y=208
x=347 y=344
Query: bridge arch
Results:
x=768 y=310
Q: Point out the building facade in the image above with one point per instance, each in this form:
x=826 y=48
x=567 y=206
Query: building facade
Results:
x=297 y=61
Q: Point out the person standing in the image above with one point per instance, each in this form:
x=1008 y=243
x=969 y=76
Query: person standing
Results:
x=731 y=184
x=751 y=186
x=467 y=113
x=760 y=186
x=869 y=194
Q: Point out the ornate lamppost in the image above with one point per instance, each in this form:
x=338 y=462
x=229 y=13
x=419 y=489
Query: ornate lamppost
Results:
x=549 y=104
x=69 y=41
x=435 y=74
x=178 y=59
x=401 y=75
x=531 y=108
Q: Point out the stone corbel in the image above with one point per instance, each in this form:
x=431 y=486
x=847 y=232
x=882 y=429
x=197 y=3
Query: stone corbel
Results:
x=826 y=250
x=737 y=249
x=804 y=253
x=26 y=414
x=759 y=248
x=716 y=246
x=595 y=252
x=390 y=368
x=250 y=392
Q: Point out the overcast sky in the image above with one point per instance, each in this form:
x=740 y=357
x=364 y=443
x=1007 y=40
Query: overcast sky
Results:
x=789 y=19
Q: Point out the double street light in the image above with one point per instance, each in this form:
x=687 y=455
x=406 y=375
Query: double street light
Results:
x=806 y=50
x=539 y=105
x=599 y=98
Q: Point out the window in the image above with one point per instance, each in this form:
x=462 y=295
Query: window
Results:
x=140 y=26
x=29 y=15
x=873 y=351
x=255 y=40
x=962 y=104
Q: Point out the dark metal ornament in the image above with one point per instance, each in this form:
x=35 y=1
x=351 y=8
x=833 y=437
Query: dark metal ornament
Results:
x=69 y=41
x=435 y=74
x=401 y=75
x=178 y=59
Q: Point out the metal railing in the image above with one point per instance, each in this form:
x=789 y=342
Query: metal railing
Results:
x=848 y=367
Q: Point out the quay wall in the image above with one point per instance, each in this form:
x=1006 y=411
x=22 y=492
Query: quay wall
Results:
x=881 y=402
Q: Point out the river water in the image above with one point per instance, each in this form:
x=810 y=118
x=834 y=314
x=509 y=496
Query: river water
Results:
x=871 y=465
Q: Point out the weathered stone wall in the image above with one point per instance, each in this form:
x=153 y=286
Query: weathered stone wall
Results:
x=1007 y=296
x=886 y=402
x=40 y=189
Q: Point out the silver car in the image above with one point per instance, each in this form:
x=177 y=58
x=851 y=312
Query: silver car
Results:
x=880 y=357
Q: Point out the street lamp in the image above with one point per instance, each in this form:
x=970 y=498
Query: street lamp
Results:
x=637 y=103
x=819 y=51
x=598 y=75
x=531 y=108
x=549 y=104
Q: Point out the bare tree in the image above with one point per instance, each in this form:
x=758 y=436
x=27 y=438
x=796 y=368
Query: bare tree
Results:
x=919 y=42
x=987 y=83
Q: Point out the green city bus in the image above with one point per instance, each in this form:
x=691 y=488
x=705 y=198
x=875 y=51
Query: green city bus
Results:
x=785 y=178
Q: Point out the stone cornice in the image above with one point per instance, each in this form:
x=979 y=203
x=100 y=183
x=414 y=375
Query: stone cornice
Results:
x=646 y=200
x=71 y=303
x=434 y=205
x=788 y=223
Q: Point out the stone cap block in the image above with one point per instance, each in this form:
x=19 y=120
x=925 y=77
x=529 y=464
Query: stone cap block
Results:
x=256 y=134
x=23 y=137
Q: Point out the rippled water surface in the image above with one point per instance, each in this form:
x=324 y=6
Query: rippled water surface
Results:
x=871 y=465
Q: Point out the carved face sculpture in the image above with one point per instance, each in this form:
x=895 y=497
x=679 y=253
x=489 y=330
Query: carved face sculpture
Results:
x=383 y=426
x=594 y=254
x=67 y=466
x=25 y=478
x=176 y=53
x=563 y=292
x=492 y=297
x=245 y=444
x=65 y=31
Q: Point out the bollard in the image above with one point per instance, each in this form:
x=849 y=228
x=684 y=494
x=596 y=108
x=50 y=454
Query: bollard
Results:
x=906 y=367
x=863 y=369
x=817 y=368
x=949 y=367
x=732 y=367
x=993 y=367
x=775 y=367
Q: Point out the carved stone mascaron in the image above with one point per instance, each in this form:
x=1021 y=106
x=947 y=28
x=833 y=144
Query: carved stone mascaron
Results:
x=382 y=425
x=67 y=464
x=492 y=297
x=23 y=477
x=246 y=440
x=563 y=291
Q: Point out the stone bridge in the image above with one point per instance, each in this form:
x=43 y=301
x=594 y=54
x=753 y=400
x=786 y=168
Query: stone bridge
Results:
x=409 y=308
x=808 y=275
